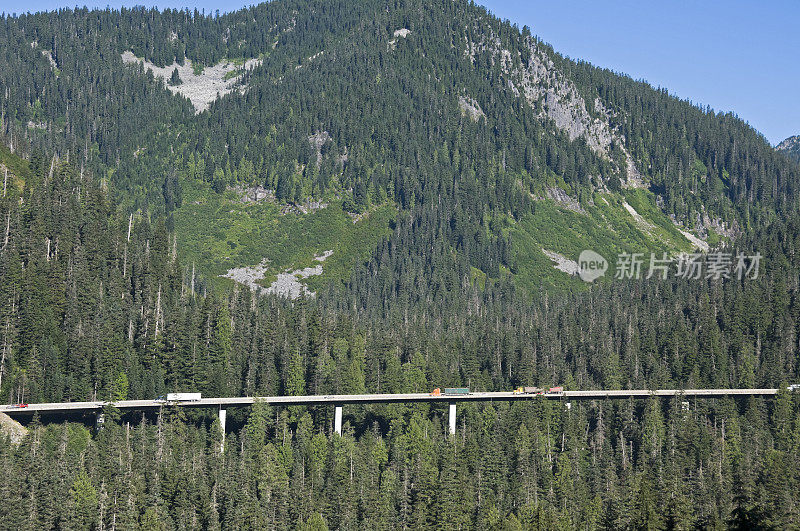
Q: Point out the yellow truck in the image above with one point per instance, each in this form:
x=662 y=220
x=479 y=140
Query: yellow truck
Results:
x=528 y=391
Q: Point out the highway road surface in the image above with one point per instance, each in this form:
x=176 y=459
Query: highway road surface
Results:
x=338 y=400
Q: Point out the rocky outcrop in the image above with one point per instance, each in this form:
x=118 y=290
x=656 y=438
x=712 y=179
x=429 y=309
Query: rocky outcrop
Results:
x=398 y=33
x=793 y=142
x=287 y=284
x=546 y=88
x=12 y=429
x=253 y=194
x=317 y=140
x=791 y=146
x=562 y=198
x=201 y=88
x=562 y=263
x=470 y=107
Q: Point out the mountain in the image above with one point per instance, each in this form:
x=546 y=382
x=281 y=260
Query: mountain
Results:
x=422 y=167
x=293 y=117
x=790 y=146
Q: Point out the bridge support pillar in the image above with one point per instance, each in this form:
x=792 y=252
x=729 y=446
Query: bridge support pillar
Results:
x=337 y=419
x=223 y=416
x=452 y=418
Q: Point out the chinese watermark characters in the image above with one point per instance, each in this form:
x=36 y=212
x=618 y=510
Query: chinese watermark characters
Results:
x=715 y=265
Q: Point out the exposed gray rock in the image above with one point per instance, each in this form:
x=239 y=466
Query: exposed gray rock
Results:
x=470 y=107
x=789 y=143
x=249 y=276
x=561 y=197
x=791 y=146
x=287 y=283
x=254 y=194
x=562 y=263
x=643 y=224
x=47 y=54
x=15 y=431
x=317 y=140
x=202 y=89
x=729 y=230
x=556 y=96
x=307 y=207
x=402 y=32
x=50 y=59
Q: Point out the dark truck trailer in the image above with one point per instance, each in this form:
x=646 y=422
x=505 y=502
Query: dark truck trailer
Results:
x=456 y=390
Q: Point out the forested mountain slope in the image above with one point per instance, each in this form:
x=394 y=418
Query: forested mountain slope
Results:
x=359 y=105
x=91 y=312
x=98 y=304
x=436 y=151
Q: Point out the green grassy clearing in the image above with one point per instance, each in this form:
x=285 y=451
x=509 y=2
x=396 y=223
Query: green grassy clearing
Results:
x=606 y=227
x=218 y=232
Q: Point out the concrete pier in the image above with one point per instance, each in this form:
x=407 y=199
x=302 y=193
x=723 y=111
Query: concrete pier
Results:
x=223 y=416
x=337 y=419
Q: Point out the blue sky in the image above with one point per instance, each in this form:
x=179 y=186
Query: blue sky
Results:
x=733 y=55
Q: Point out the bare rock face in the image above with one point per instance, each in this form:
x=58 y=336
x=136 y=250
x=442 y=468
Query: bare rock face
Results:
x=542 y=84
x=287 y=284
x=47 y=54
x=317 y=140
x=789 y=143
x=561 y=197
x=249 y=276
x=204 y=88
x=791 y=146
x=12 y=429
x=561 y=262
x=254 y=194
x=398 y=33
x=471 y=108
x=546 y=88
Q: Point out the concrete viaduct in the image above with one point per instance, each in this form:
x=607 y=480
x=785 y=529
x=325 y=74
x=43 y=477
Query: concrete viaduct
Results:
x=340 y=400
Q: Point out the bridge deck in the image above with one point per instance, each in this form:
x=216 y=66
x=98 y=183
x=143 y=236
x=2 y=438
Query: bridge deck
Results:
x=309 y=400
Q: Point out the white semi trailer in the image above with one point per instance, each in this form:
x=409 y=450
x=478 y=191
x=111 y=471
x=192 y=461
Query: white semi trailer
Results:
x=182 y=397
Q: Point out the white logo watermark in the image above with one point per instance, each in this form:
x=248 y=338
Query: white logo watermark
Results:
x=591 y=265
x=715 y=265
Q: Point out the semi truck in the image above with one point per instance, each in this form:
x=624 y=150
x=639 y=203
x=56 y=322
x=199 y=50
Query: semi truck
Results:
x=180 y=397
x=450 y=391
x=528 y=391
x=551 y=391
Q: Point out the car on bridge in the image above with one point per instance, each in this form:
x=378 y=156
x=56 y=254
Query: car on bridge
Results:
x=20 y=405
